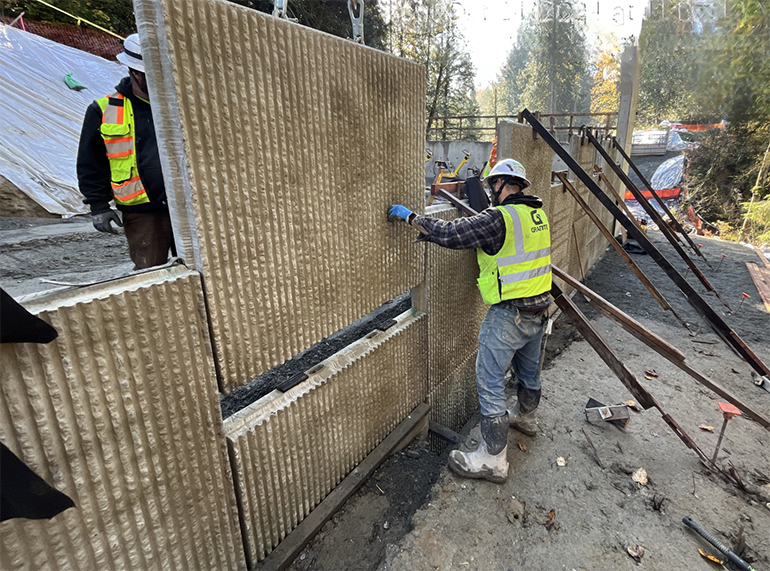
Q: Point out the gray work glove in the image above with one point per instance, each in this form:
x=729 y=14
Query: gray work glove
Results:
x=102 y=221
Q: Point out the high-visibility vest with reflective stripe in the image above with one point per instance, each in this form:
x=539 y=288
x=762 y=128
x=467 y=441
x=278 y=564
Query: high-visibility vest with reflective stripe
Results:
x=522 y=267
x=117 y=130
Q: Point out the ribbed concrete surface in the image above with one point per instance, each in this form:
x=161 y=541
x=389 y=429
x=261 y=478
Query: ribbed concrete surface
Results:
x=455 y=312
x=291 y=449
x=454 y=400
x=293 y=145
x=121 y=413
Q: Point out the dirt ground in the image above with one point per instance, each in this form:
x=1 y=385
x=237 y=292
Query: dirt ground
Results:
x=600 y=511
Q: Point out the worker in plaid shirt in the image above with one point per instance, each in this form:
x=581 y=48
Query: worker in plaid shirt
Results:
x=513 y=245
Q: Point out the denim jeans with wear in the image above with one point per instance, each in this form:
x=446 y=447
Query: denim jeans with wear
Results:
x=506 y=334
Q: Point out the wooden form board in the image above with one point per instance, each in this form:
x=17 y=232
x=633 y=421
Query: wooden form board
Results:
x=761 y=277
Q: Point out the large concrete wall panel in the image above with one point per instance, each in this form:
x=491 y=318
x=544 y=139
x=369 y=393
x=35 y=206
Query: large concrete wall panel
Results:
x=121 y=413
x=287 y=148
x=455 y=307
x=289 y=450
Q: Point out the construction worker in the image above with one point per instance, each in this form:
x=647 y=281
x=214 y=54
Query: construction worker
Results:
x=513 y=245
x=118 y=160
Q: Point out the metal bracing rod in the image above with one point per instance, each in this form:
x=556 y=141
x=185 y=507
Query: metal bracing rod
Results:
x=618 y=248
x=642 y=395
x=657 y=344
x=655 y=215
x=716 y=322
x=655 y=195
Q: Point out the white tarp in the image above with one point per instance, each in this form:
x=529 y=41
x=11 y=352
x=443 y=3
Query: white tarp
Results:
x=41 y=118
x=669 y=173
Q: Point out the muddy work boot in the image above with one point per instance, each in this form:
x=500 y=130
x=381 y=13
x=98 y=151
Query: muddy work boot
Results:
x=522 y=416
x=490 y=460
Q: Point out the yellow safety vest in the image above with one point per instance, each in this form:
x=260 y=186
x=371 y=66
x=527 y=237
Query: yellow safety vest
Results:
x=117 y=130
x=522 y=267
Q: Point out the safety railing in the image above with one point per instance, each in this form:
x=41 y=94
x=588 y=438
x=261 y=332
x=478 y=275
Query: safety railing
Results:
x=483 y=127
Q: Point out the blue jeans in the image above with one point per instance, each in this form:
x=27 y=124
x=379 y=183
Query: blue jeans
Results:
x=506 y=334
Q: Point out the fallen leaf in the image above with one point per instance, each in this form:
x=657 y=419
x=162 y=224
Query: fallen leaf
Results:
x=636 y=551
x=628 y=293
x=702 y=352
x=705 y=427
x=549 y=523
x=640 y=476
x=649 y=378
x=710 y=557
x=522 y=447
x=561 y=461
x=632 y=404
x=651 y=372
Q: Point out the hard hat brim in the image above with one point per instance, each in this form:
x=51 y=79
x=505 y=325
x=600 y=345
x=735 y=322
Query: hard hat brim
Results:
x=130 y=62
x=491 y=177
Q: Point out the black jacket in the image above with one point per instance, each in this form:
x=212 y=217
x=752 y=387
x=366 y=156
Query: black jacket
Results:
x=93 y=166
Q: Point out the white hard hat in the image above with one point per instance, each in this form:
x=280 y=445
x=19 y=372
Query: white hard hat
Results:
x=509 y=167
x=132 y=53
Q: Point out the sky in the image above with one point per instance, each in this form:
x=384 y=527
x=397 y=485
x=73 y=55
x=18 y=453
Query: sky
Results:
x=489 y=27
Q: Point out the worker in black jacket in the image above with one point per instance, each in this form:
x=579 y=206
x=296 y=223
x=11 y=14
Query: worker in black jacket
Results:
x=118 y=160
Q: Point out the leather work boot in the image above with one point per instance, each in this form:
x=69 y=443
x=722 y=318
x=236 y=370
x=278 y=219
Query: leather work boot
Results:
x=490 y=460
x=522 y=416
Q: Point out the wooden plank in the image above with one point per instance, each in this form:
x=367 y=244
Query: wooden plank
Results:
x=282 y=556
x=761 y=278
x=763 y=258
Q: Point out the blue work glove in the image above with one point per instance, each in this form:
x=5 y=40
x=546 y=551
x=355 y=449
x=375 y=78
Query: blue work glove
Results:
x=400 y=212
x=103 y=221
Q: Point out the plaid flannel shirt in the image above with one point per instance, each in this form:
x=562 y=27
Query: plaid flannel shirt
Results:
x=486 y=231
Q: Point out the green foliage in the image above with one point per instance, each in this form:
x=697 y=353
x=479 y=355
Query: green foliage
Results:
x=758 y=216
x=737 y=77
x=604 y=92
x=723 y=170
x=427 y=32
x=330 y=16
x=550 y=46
x=673 y=55
x=114 y=15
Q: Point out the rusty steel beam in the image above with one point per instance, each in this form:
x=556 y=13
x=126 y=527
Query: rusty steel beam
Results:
x=618 y=248
x=679 y=228
x=657 y=344
x=714 y=319
x=655 y=215
x=642 y=395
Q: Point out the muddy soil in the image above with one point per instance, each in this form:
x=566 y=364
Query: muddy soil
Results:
x=37 y=249
x=599 y=510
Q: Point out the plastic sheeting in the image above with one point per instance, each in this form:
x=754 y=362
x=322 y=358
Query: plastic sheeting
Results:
x=41 y=118
x=675 y=143
x=668 y=174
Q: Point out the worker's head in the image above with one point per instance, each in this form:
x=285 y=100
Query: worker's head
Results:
x=132 y=58
x=507 y=177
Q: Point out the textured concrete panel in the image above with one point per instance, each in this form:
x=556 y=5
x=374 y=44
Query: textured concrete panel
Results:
x=121 y=413
x=285 y=146
x=289 y=450
x=454 y=400
x=455 y=307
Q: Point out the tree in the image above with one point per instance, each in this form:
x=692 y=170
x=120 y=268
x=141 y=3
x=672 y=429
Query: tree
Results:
x=426 y=32
x=330 y=16
x=114 y=15
x=547 y=68
x=604 y=93
x=737 y=77
x=675 y=46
